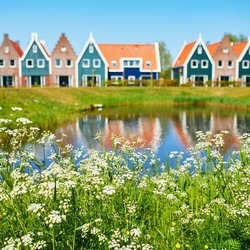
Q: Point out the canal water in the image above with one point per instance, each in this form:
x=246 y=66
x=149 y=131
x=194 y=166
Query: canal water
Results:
x=167 y=129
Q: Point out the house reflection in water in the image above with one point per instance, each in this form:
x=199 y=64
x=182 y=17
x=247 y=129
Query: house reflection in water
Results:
x=162 y=129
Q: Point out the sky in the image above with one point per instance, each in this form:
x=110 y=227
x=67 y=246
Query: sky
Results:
x=124 y=21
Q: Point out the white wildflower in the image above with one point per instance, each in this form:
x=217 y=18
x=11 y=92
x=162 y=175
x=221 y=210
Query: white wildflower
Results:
x=108 y=190
x=23 y=121
x=16 y=109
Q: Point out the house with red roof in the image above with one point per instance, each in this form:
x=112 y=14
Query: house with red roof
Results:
x=132 y=61
x=63 y=60
x=35 y=64
x=243 y=62
x=101 y=62
x=224 y=57
x=193 y=64
x=10 y=52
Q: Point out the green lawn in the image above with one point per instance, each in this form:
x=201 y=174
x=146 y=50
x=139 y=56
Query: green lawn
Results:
x=51 y=106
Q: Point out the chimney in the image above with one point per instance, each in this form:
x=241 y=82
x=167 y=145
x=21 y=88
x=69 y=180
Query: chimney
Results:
x=6 y=37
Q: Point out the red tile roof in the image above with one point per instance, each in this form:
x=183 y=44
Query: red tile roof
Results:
x=184 y=54
x=17 y=48
x=114 y=52
x=238 y=47
x=212 y=48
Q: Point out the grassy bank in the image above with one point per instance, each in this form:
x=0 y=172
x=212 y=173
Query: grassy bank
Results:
x=112 y=200
x=51 y=106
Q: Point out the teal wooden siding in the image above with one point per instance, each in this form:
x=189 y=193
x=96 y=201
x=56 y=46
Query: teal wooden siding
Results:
x=176 y=73
x=35 y=71
x=91 y=70
x=199 y=71
x=242 y=71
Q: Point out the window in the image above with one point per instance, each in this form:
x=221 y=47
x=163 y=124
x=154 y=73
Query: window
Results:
x=58 y=63
x=220 y=64
x=97 y=63
x=34 y=49
x=125 y=63
x=114 y=63
x=63 y=49
x=6 y=49
x=40 y=63
x=148 y=64
x=230 y=64
x=194 y=64
x=200 y=50
x=245 y=64
x=137 y=62
x=225 y=50
x=69 y=63
x=29 y=63
x=1 y=63
x=85 y=63
x=204 y=64
x=12 y=63
x=91 y=49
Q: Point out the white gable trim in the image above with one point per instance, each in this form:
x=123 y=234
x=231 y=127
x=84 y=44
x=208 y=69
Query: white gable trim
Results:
x=178 y=55
x=157 y=54
x=92 y=40
x=244 y=51
x=34 y=38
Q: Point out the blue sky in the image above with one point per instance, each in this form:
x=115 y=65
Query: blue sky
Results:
x=124 y=21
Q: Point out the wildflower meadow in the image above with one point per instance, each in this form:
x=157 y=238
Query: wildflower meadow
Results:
x=59 y=197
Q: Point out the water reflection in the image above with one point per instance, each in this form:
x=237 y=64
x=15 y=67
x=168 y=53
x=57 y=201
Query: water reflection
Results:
x=168 y=129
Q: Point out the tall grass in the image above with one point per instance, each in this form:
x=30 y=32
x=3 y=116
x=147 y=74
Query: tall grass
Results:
x=123 y=198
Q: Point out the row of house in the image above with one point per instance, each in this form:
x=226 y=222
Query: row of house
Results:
x=95 y=64
x=224 y=61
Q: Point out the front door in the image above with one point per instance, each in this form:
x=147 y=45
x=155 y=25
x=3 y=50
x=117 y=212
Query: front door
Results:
x=7 y=81
x=248 y=81
x=64 y=81
x=199 y=80
x=35 y=81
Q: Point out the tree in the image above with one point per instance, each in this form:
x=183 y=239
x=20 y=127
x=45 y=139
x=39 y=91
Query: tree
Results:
x=234 y=38
x=165 y=58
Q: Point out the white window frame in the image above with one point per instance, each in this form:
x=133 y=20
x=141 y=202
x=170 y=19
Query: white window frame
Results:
x=225 y=50
x=71 y=63
x=32 y=63
x=204 y=61
x=199 y=50
x=148 y=64
x=34 y=49
x=88 y=63
x=222 y=64
x=91 y=48
x=63 y=49
x=98 y=65
x=60 y=65
x=12 y=66
x=6 y=49
x=2 y=66
x=197 y=64
x=230 y=67
x=247 y=66
x=40 y=61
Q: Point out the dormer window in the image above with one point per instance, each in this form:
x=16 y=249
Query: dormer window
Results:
x=63 y=49
x=34 y=49
x=200 y=50
x=148 y=64
x=114 y=63
x=225 y=50
x=91 y=49
x=6 y=49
